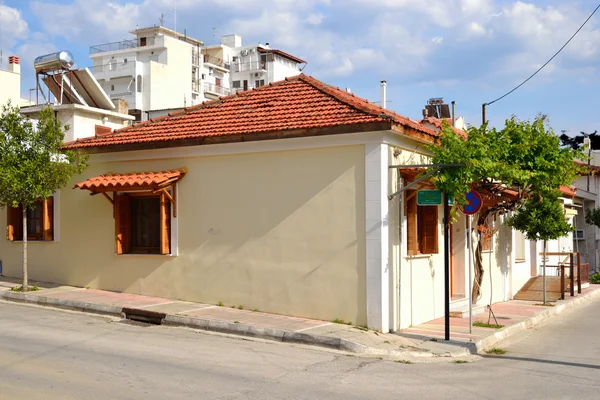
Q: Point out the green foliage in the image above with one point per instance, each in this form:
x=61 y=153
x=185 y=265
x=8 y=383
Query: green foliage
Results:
x=496 y=350
x=541 y=218
x=486 y=325
x=523 y=155
x=592 y=217
x=32 y=165
x=341 y=321
x=25 y=289
x=595 y=278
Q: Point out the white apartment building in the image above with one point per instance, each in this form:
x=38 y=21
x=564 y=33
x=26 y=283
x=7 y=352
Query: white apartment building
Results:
x=161 y=70
x=158 y=69
x=250 y=66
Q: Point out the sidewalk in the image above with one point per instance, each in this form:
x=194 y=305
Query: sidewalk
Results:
x=417 y=343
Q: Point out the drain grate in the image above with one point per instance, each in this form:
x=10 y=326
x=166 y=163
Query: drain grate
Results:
x=147 y=316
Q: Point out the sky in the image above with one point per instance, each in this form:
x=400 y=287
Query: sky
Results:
x=469 y=51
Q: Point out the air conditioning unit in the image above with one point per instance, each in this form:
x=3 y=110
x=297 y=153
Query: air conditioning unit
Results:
x=253 y=50
x=244 y=53
x=579 y=234
x=257 y=74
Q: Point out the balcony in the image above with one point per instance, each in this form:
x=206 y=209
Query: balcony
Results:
x=215 y=89
x=216 y=62
x=250 y=66
x=113 y=70
x=114 y=46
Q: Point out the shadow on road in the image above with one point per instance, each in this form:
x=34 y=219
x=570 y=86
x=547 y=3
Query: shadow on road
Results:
x=542 y=361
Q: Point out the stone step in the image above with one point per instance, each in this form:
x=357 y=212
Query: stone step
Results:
x=460 y=308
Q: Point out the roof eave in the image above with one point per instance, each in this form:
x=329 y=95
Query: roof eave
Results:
x=253 y=137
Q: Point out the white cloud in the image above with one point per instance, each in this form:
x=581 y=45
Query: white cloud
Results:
x=77 y=21
x=315 y=18
x=12 y=26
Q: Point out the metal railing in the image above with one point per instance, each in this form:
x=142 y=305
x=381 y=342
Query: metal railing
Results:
x=114 y=67
x=122 y=45
x=250 y=66
x=215 y=61
x=212 y=88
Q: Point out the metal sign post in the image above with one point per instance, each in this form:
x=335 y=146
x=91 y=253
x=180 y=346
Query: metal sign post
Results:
x=470 y=248
x=446 y=266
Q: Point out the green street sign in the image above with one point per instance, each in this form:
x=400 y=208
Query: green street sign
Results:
x=429 y=197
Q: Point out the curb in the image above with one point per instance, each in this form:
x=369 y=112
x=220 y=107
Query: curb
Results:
x=274 y=334
x=530 y=322
x=60 y=303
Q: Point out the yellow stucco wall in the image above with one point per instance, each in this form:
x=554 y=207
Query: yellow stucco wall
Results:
x=281 y=231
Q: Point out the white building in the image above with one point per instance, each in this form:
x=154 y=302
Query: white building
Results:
x=161 y=70
x=10 y=83
x=158 y=69
x=249 y=66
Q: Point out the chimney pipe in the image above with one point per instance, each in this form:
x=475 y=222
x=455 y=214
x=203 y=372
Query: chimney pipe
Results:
x=453 y=109
x=14 y=64
x=383 y=94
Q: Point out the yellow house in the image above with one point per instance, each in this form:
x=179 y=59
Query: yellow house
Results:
x=275 y=198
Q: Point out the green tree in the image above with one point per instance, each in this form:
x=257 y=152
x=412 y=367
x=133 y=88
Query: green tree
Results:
x=541 y=218
x=32 y=165
x=523 y=160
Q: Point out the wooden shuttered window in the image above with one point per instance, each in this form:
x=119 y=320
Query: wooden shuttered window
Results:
x=142 y=223
x=165 y=224
x=40 y=222
x=14 y=226
x=122 y=204
x=411 y=224
x=428 y=229
x=421 y=227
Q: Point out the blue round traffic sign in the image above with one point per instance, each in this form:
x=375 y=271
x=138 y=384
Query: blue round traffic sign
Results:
x=474 y=203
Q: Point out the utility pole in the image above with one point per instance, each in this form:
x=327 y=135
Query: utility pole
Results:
x=483 y=116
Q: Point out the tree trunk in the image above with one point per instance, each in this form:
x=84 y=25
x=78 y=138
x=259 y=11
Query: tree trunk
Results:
x=25 y=277
x=478 y=278
x=544 y=271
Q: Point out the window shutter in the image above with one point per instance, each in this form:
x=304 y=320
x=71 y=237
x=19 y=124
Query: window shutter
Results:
x=428 y=232
x=411 y=224
x=122 y=224
x=165 y=224
x=14 y=225
x=48 y=219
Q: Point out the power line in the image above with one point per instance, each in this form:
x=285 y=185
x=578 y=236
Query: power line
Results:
x=551 y=58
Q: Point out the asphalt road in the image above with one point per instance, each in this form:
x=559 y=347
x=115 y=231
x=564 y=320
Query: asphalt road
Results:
x=51 y=354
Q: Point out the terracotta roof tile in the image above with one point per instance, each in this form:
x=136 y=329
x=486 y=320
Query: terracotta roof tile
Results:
x=130 y=180
x=438 y=123
x=296 y=103
x=281 y=53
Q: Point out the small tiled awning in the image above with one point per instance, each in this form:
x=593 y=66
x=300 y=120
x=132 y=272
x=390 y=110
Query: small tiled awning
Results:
x=131 y=181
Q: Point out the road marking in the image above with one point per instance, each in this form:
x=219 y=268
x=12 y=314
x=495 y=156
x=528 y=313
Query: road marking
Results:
x=158 y=304
x=312 y=327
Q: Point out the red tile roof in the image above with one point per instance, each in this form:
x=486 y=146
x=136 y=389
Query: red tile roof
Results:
x=131 y=181
x=568 y=191
x=281 y=53
x=438 y=123
x=298 y=106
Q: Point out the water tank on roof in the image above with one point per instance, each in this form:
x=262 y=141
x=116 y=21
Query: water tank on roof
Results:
x=53 y=62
